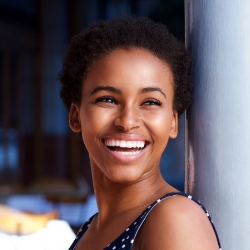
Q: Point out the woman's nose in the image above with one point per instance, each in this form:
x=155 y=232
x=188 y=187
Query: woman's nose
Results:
x=127 y=119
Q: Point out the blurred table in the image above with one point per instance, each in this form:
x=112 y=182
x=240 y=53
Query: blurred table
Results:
x=56 y=236
x=74 y=211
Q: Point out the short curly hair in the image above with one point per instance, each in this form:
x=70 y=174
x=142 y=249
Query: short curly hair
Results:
x=125 y=32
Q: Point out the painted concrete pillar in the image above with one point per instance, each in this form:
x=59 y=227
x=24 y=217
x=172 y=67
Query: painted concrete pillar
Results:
x=218 y=123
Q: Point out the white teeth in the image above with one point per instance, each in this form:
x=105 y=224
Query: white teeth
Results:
x=127 y=153
x=124 y=144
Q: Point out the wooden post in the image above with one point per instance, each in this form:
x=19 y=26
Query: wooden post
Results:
x=6 y=107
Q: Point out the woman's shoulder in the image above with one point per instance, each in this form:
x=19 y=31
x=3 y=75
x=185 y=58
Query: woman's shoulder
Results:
x=177 y=223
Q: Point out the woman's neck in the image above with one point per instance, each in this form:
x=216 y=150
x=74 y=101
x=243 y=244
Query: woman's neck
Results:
x=118 y=198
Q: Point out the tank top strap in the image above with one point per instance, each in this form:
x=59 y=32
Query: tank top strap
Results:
x=140 y=220
x=126 y=239
x=81 y=232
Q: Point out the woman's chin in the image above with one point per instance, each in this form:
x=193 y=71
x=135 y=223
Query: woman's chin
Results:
x=126 y=177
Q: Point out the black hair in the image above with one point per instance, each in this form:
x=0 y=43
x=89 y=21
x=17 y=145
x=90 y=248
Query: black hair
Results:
x=125 y=32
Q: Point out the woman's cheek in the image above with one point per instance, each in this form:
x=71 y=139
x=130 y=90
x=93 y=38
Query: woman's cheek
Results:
x=158 y=119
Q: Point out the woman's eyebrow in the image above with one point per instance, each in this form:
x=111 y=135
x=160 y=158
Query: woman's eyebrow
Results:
x=106 y=88
x=150 y=89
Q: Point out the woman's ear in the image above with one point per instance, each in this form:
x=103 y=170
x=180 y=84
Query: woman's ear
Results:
x=74 y=118
x=174 y=126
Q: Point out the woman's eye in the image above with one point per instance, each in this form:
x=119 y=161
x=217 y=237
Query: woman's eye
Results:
x=107 y=99
x=152 y=103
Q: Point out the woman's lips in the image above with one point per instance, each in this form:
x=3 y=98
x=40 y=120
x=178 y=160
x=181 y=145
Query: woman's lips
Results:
x=125 y=150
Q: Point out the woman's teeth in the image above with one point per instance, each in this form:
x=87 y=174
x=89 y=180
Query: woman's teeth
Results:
x=128 y=153
x=124 y=144
x=125 y=147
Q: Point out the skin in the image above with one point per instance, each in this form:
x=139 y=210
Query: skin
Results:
x=128 y=95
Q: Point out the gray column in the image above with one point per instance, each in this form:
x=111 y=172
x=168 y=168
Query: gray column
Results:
x=218 y=140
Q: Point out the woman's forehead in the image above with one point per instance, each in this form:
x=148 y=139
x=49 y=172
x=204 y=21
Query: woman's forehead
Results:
x=129 y=68
x=131 y=59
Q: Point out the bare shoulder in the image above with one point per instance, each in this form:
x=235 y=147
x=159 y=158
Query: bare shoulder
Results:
x=177 y=223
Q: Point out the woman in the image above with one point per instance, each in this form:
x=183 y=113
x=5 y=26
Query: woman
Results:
x=124 y=82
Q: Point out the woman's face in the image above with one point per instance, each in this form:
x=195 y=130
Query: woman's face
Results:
x=126 y=116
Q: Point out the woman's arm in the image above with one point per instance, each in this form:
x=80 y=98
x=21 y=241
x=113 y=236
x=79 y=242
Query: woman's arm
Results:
x=177 y=223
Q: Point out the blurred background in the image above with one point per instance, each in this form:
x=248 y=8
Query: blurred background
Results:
x=43 y=165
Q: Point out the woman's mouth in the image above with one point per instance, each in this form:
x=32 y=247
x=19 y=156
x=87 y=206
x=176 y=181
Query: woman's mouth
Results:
x=123 y=147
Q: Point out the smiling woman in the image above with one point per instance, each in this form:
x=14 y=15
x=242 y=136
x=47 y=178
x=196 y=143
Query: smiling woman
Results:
x=132 y=88
x=124 y=82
